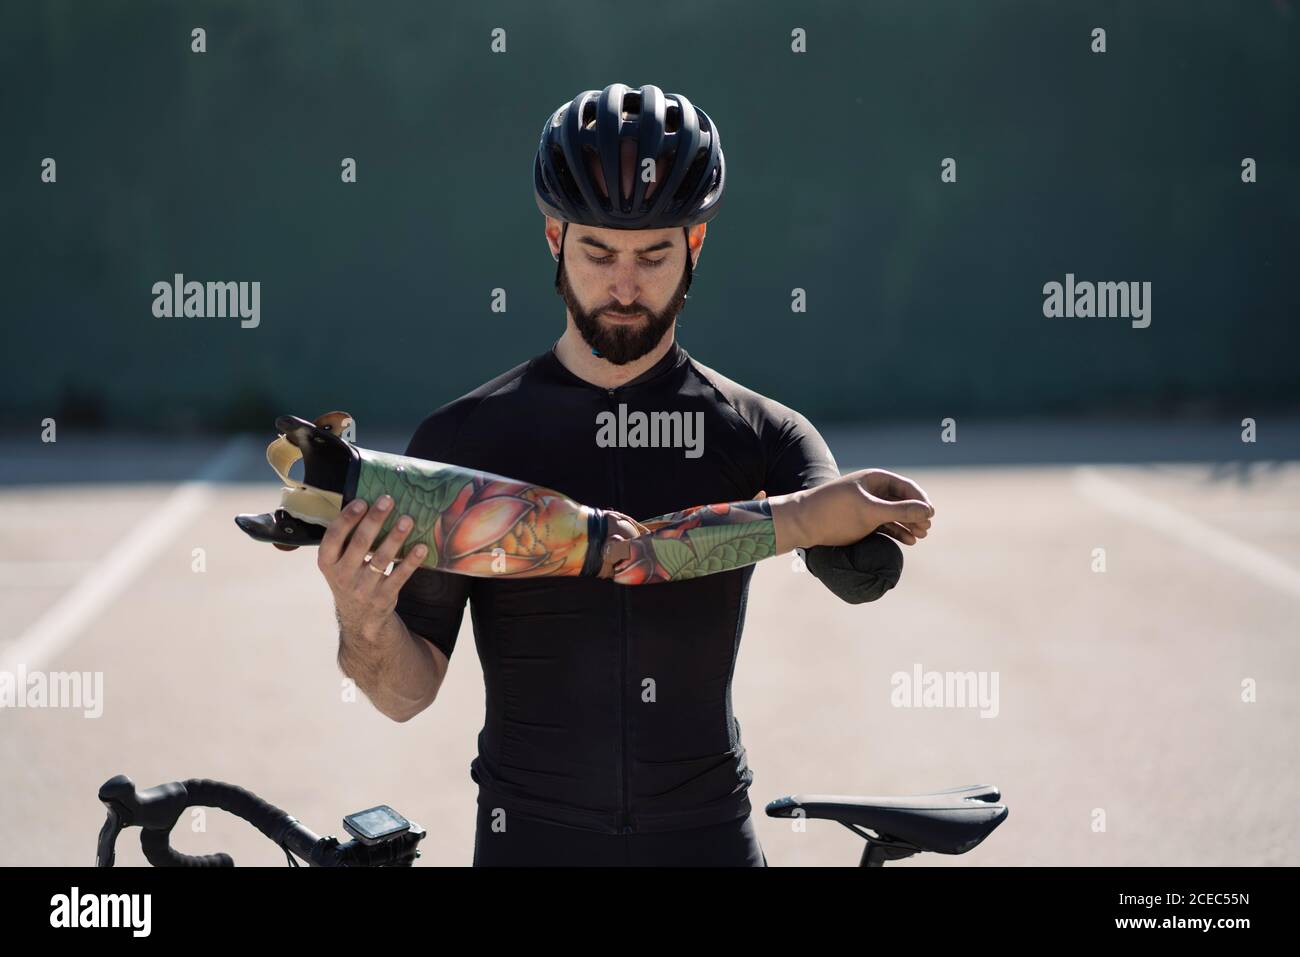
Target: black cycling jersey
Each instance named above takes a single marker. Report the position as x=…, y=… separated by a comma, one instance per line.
x=609, y=706
x=520, y=841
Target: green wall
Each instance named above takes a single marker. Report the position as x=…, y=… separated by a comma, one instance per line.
x=925, y=299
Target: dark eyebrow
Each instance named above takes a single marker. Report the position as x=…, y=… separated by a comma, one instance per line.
x=591, y=241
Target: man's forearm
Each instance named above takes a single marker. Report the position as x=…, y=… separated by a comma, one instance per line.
x=398, y=671
x=706, y=539
x=712, y=538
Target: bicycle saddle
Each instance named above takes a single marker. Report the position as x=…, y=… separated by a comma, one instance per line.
x=946, y=822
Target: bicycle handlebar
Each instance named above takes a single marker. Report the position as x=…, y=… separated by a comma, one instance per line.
x=156, y=810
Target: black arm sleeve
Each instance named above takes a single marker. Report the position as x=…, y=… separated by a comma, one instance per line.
x=863, y=571
x=432, y=603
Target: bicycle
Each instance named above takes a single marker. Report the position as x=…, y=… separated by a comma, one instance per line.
x=380, y=836
x=942, y=822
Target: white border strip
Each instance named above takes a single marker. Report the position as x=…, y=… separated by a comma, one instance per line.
x=1184, y=528
x=110, y=576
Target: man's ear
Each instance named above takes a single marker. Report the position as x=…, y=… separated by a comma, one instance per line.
x=553, y=232
x=695, y=239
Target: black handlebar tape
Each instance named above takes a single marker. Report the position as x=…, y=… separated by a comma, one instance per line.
x=159, y=853
x=266, y=817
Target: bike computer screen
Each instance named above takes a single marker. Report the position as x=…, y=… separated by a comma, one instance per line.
x=375, y=824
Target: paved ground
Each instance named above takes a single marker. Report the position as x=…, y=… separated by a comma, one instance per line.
x=1119, y=693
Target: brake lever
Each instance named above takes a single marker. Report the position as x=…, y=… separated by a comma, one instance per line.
x=153, y=809
x=118, y=795
x=105, y=853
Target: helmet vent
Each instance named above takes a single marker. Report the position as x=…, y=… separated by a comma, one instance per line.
x=691, y=181
x=595, y=174
x=588, y=115
x=564, y=176
x=672, y=118
x=631, y=106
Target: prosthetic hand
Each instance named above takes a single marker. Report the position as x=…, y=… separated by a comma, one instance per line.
x=477, y=523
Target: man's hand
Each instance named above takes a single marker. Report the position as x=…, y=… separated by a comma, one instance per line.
x=364, y=596
x=620, y=530
x=907, y=525
x=852, y=507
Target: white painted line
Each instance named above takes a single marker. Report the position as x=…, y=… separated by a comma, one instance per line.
x=110, y=576
x=1190, y=531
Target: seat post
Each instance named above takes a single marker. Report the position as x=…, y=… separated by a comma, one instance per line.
x=877, y=852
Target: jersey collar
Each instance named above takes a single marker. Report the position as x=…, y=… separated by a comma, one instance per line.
x=670, y=360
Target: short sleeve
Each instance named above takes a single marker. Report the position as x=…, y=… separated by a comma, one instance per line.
x=855, y=573
x=799, y=457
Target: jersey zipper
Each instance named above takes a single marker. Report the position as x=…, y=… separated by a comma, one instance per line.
x=625, y=818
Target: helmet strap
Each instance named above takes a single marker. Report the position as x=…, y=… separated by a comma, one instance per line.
x=559, y=260
x=687, y=231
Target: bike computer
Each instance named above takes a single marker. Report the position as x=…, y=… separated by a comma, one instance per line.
x=376, y=825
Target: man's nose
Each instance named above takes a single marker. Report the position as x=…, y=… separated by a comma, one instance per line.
x=625, y=288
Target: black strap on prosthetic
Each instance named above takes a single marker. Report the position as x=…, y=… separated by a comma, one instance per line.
x=596, y=534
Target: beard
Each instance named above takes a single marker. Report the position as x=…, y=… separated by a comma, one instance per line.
x=621, y=344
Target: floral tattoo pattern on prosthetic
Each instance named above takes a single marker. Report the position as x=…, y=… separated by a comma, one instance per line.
x=701, y=540
x=476, y=523
x=480, y=524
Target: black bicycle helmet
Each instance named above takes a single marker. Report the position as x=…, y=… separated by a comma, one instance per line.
x=588, y=133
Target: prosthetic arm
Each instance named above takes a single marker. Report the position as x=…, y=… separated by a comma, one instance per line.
x=477, y=523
